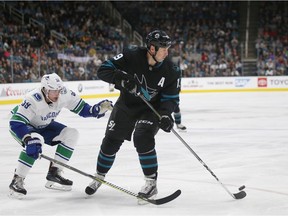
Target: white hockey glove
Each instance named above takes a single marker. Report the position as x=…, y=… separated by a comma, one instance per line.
x=99, y=109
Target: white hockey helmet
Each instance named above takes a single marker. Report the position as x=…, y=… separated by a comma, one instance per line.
x=51, y=82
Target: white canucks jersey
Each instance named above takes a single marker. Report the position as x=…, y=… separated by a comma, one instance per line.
x=35, y=111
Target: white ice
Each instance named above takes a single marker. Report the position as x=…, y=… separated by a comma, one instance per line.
x=242, y=137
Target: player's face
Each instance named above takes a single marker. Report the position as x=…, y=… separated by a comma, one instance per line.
x=161, y=54
x=53, y=95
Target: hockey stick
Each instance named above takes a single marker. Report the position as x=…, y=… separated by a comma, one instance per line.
x=239, y=195
x=153, y=201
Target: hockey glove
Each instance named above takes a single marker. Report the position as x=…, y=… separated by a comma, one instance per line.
x=33, y=147
x=130, y=86
x=99, y=109
x=126, y=81
x=166, y=123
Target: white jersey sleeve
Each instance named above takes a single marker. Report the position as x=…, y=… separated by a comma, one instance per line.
x=36, y=112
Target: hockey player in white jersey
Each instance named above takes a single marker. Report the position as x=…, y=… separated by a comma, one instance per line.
x=37, y=114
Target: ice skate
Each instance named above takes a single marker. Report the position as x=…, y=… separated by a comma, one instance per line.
x=149, y=190
x=94, y=185
x=181, y=127
x=17, y=189
x=56, y=181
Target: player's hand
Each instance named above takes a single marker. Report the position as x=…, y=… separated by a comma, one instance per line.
x=130, y=85
x=166, y=123
x=33, y=147
x=99, y=109
x=127, y=81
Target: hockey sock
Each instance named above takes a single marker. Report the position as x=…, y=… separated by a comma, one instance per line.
x=148, y=161
x=104, y=162
x=177, y=117
x=63, y=153
x=25, y=163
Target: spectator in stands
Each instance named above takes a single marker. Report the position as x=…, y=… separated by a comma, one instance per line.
x=223, y=68
x=239, y=67
x=209, y=28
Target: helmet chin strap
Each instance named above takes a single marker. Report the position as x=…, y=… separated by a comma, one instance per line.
x=153, y=56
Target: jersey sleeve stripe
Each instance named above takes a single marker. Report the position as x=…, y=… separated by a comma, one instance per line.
x=170, y=98
x=78, y=107
x=19, y=118
x=108, y=64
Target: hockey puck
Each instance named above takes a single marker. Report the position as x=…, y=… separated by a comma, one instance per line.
x=242, y=188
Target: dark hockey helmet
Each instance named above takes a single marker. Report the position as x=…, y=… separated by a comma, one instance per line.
x=158, y=39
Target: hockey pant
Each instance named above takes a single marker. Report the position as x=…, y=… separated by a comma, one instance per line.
x=146, y=128
x=54, y=134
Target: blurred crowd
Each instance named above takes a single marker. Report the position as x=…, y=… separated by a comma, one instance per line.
x=28, y=51
x=205, y=33
x=272, y=42
x=206, y=37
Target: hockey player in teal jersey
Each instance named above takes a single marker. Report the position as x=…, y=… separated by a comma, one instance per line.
x=37, y=114
x=147, y=70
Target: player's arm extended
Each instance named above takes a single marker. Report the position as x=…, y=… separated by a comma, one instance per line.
x=79, y=106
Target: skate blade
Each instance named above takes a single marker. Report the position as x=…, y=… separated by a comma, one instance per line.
x=57, y=186
x=15, y=195
x=181, y=130
x=143, y=202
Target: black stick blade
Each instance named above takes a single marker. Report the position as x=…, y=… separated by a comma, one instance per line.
x=165, y=199
x=240, y=195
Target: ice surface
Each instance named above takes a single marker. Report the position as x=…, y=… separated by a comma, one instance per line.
x=242, y=137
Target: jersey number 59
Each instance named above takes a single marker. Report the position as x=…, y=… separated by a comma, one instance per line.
x=25, y=104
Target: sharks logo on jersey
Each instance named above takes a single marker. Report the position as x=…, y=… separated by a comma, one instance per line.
x=148, y=92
